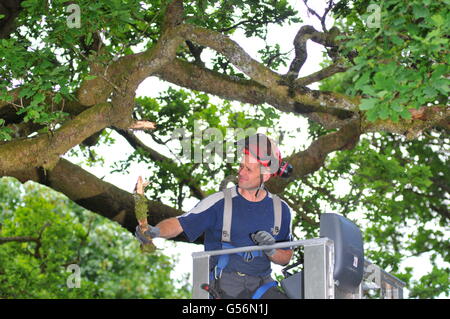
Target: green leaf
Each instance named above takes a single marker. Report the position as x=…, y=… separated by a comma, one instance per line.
x=442, y=85
x=420, y=11
x=5, y=134
x=383, y=112
x=429, y=92
x=438, y=19
x=28, y=3
x=394, y=117
x=88, y=39
x=367, y=104
x=26, y=91
x=38, y=98
x=372, y=115
x=369, y=90
x=405, y=114
x=439, y=70
x=362, y=80
x=397, y=107
x=90, y=77
x=57, y=98
x=397, y=40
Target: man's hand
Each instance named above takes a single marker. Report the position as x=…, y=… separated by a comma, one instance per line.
x=143, y=237
x=263, y=238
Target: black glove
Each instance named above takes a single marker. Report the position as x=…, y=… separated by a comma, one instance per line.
x=263, y=238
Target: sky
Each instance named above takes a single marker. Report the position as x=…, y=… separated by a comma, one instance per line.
x=151, y=86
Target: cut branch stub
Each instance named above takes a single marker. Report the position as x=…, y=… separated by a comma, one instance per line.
x=143, y=125
x=140, y=209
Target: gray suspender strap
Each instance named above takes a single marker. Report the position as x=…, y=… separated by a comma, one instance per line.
x=227, y=214
x=277, y=214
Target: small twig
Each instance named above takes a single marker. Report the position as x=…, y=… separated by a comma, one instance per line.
x=19, y=239
x=16, y=106
x=322, y=20
x=23, y=239
x=324, y=16
x=101, y=75
x=311, y=10
x=161, y=142
x=39, y=242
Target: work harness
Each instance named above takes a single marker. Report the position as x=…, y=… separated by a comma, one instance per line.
x=223, y=260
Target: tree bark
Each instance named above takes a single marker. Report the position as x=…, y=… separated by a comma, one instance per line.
x=108, y=101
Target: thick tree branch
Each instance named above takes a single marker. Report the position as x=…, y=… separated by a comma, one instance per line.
x=306, y=33
x=313, y=158
x=423, y=119
x=45, y=149
x=302, y=101
x=10, y=9
x=233, y=51
x=192, y=76
x=96, y=195
x=22, y=153
x=322, y=74
x=195, y=77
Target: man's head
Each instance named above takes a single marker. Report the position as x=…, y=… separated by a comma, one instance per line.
x=261, y=160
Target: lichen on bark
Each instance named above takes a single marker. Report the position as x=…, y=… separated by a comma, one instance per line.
x=140, y=209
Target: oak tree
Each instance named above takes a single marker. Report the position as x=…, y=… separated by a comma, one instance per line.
x=379, y=120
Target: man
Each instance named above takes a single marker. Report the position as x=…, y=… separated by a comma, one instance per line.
x=243, y=215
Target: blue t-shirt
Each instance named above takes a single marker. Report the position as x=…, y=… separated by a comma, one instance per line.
x=247, y=218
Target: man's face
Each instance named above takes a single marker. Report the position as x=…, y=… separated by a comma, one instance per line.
x=249, y=173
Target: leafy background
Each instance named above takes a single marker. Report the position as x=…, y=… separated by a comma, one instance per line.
x=109, y=258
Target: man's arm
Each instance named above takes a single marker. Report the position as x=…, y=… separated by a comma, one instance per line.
x=281, y=257
x=169, y=228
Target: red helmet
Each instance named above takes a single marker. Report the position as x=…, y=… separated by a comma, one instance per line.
x=265, y=151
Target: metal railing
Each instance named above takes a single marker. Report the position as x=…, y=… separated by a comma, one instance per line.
x=318, y=271
x=376, y=278
x=318, y=267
